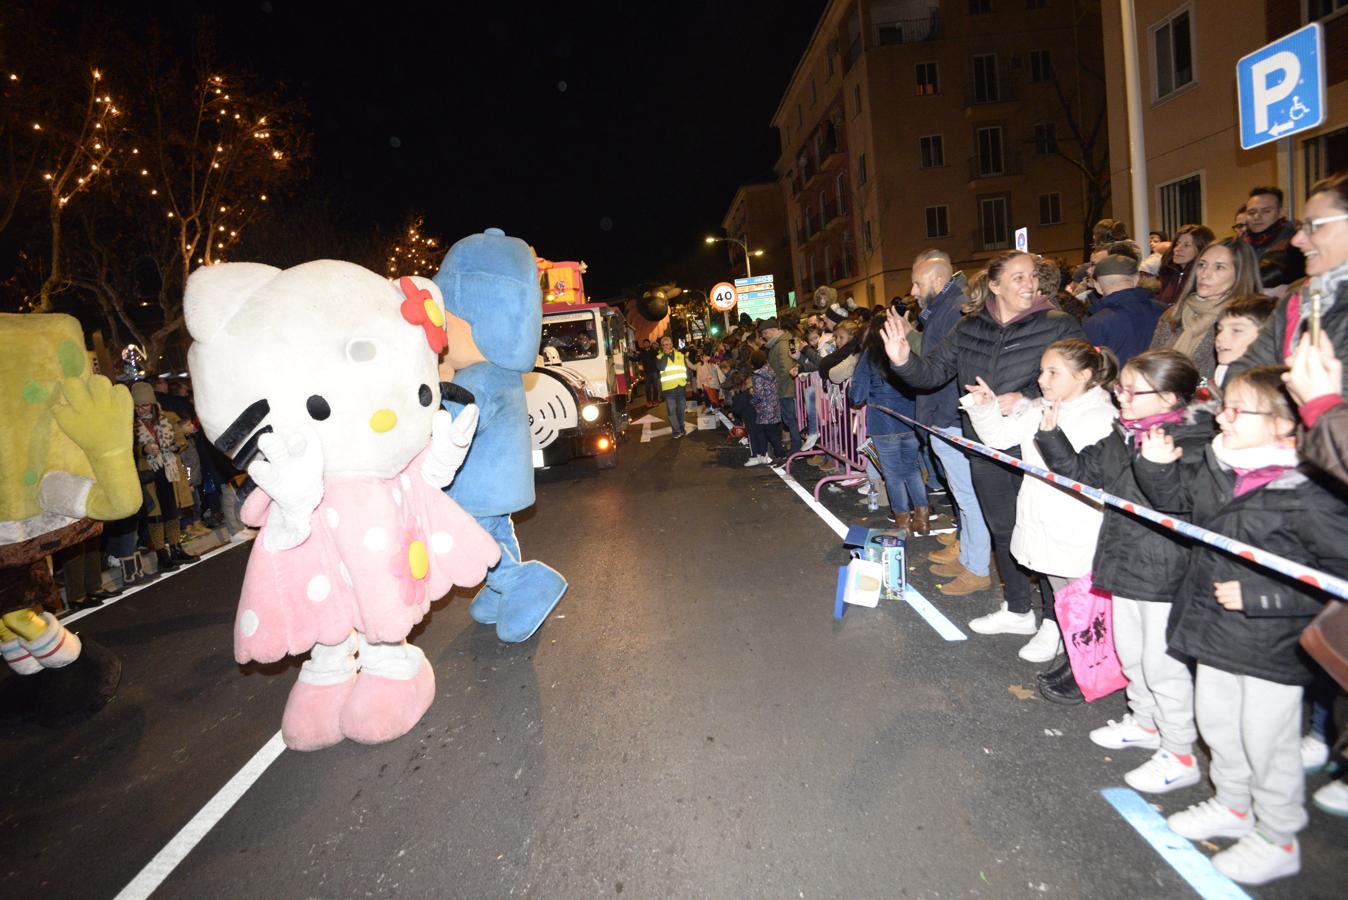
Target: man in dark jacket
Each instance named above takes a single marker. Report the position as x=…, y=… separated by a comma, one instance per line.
x=1266, y=228
x=1125, y=316
x=939, y=291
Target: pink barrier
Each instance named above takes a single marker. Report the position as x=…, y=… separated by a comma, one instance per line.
x=841, y=429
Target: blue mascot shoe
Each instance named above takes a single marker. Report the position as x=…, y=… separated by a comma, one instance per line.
x=528, y=594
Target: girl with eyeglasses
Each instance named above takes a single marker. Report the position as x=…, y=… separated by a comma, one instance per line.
x=1141, y=565
x=1241, y=623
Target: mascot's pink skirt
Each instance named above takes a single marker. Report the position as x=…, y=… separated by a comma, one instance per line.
x=380, y=550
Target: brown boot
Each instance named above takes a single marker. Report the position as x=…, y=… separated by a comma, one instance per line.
x=921, y=518
x=965, y=583
x=948, y=570
x=947, y=554
x=948, y=538
x=903, y=520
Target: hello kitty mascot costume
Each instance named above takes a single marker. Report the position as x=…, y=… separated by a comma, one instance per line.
x=322, y=381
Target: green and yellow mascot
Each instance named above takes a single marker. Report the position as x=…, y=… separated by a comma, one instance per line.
x=66, y=466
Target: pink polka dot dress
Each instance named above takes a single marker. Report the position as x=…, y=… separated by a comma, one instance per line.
x=378, y=553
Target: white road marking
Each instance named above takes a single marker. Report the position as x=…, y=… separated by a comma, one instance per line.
x=166, y=860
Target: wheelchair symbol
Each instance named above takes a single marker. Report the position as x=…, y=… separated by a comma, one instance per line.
x=1298, y=110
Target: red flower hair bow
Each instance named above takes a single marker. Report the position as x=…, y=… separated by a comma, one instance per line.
x=421, y=309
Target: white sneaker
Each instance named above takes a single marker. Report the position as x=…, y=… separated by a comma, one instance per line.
x=744, y=442
x=1003, y=621
x=810, y=441
x=1163, y=773
x=1210, y=819
x=758, y=461
x=1332, y=798
x=1255, y=859
x=1045, y=645
x=1314, y=753
x=1124, y=734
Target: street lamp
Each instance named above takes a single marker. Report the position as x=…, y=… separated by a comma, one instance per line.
x=748, y=269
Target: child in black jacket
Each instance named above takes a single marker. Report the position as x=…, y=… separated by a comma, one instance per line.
x=1241, y=622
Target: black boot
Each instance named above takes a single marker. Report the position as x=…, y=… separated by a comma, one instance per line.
x=1060, y=686
x=1061, y=668
x=181, y=556
x=166, y=561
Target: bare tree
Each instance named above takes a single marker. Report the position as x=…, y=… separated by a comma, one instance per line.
x=410, y=251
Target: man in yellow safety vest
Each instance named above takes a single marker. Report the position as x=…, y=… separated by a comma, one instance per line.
x=673, y=383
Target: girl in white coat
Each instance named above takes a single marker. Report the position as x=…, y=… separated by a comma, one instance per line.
x=1055, y=530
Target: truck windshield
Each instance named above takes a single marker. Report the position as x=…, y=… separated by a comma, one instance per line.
x=572, y=337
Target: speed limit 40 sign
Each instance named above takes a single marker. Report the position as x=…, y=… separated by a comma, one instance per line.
x=723, y=297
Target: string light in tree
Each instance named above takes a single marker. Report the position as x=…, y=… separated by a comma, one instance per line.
x=415, y=252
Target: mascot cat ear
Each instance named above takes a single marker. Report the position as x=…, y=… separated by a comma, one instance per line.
x=215, y=293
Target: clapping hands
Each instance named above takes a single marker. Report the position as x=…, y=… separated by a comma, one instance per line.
x=1159, y=447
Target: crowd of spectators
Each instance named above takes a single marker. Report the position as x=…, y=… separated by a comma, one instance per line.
x=1184, y=377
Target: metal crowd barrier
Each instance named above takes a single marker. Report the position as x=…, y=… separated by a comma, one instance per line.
x=841, y=430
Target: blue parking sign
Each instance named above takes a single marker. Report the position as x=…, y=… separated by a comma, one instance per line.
x=1281, y=87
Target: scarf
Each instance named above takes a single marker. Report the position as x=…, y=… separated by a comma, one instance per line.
x=1138, y=427
x=1197, y=316
x=158, y=430
x=1255, y=466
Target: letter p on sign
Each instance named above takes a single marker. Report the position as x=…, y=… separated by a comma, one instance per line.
x=1275, y=77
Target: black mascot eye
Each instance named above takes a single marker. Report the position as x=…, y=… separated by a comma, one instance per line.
x=318, y=407
x=425, y=395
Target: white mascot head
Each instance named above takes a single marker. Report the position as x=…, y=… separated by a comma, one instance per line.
x=327, y=345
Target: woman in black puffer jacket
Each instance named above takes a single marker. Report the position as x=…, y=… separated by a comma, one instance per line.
x=1142, y=564
x=1001, y=342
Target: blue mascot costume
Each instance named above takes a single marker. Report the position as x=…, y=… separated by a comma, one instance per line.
x=494, y=320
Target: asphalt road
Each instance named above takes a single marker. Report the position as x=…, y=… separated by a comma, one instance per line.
x=691, y=723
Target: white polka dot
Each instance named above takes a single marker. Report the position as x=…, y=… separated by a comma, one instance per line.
x=248, y=623
x=331, y=516
x=341, y=570
x=405, y=482
x=397, y=497
x=375, y=540
x=442, y=542
x=318, y=588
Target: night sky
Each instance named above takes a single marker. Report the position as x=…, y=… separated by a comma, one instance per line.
x=610, y=132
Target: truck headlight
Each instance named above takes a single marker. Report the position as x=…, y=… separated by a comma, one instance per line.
x=589, y=412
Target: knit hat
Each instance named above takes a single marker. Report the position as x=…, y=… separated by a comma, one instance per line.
x=1115, y=264
x=836, y=313
x=142, y=393
x=765, y=324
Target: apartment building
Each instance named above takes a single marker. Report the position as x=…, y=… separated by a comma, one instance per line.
x=757, y=217
x=918, y=123
x=1196, y=169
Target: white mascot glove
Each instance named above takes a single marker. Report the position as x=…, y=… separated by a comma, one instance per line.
x=450, y=439
x=292, y=476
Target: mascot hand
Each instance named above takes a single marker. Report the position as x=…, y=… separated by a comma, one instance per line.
x=450, y=439
x=292, y=476
x=96, y=416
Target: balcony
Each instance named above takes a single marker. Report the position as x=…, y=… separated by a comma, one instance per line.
x=990, y=91
x=982, y=168
x=797, y=185
x=839, y=269
x=910, y=31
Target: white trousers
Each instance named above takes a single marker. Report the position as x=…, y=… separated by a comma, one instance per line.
x=1253, y=728
x=1160, y=688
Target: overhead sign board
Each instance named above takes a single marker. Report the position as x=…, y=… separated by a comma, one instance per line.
x=723, y=297
x=757, y=296
x=1281, y=87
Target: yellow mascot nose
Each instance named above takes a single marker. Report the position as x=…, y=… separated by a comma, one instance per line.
x=383, y=420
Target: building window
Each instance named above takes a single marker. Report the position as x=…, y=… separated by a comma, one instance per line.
x=933, y=151
x=991, y=158
x=856, y=99
x=814, y=93
x=1050, y=209
x=1320, y=9
x=938, y=221
x=823, y=209
x=980, y=7
x=994, y=223
x=1181, y=203
x=828, y=62
x=866, y=237
x=1172, y=53
x=841, y=190
x=928, y=79
x=800, y=120
x=828, y=263
x=1041, y=65
x=1045, y=138
x=986, y=85
x=813, y=278
x=861, y=169
x=1325, y=154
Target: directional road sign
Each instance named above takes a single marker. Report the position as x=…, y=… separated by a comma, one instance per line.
x=757, y=296
x=1281, y=87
